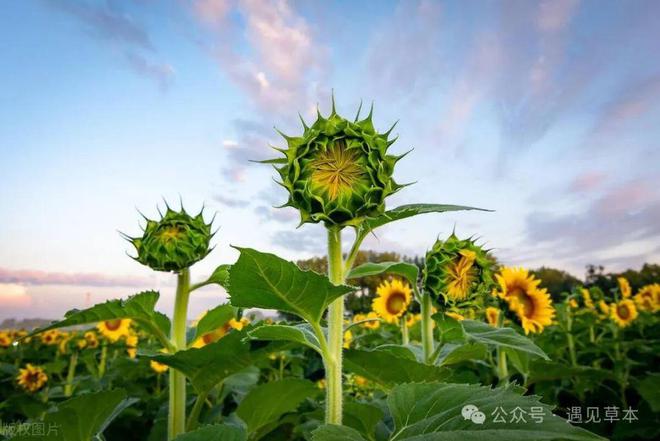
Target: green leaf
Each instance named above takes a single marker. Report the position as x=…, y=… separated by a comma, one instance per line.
x=649, y=389
x=387, y=369
x=139, y=307
x=501, y=337
x=332, y=432
x=263, y=280
x=410, y=210
x=214, y=319
x=433, y=411
x=267, y=402
x=541, y=370
x=210, y=364
x=84, y=417
x=301, y=333
x=452, y=353
x=362, y=417
x=404, y=269
x=216, y=432
x=220, y=276
x=450, y=329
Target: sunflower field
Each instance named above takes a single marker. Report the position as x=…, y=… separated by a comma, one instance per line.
x=458, y=347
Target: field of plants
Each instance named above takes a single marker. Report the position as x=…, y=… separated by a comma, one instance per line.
x=454, y=346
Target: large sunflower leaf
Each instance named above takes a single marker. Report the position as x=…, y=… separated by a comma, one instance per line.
x=452, y=353
x=216, y=432
x=263, y=280
x=301, y=334
x=387, y=369
x=139, y=307
x=437, y=411
x=332, y=432
x=404, y=269
x=210, y=364
x=501, y=337
x=409, y=210
x=267, y=402
x=214, y=319
x=82, y=418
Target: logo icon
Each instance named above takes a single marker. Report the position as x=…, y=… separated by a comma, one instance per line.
x=471, y=412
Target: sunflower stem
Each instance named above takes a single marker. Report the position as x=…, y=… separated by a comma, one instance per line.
x=570, y=339
x=104, y=358
x=427, y=326
x=193, y=418
x=177, y=400
x=333, y=359
x=404, y=331
x=502, y=367
x=71, y=374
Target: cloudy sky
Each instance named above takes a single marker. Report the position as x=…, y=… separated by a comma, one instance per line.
x=546, y=112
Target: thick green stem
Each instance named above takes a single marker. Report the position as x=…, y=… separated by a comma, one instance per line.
x=71, y=374
x=427, y=326
x=177, y=410
x=502, y=367
x=570, y=340
x=333, y=360
x=404, y=331
x=104, y=359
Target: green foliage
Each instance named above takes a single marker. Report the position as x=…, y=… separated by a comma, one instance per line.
x=407, y=270
x=263, y=280
x=84, y=417
x=216, y=432
x=214, y=319
x=434, y=411
x=302, y=334
x=267, y=402
x=410, y=210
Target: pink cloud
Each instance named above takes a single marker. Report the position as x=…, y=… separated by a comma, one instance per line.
x=211, y=12
x=587, y=182
x=36, y=277
x=628, y=197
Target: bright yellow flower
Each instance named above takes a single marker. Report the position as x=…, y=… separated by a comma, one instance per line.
x=454, y=315
x=411, y=319
x=348, y=338
x=91, y=339
x=573, y=303
x=461, y=275
x=5, y=339
x=32, y=378
x=50, y=337
x=531, y=304
x=492, y=316
x=321, y=383
x=131, y=345
x=586, y=297
x=113, y=330
x=212, y=337
x=623, y=313
x=81, y=343
x=374, y=320
x=360, y=381
x=604, y=307
x=158, y=368
x=238, y=324
x=392, y=300
x=624, y=287
x=648, y=298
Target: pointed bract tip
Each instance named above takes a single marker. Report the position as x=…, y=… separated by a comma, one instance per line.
x=357, y=116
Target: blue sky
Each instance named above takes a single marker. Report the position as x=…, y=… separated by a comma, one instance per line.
x=546, y=112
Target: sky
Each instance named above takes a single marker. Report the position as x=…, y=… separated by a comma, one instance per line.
x=545, y=112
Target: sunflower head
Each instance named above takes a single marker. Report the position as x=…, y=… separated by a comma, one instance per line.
x=573, y=303
x=31, y=378
x=624, y=287
x=338, y=171
x=648, y=298
x=5, y=339
x=457, y=269
x=392, y=300
x=455, y=315
x=91, y=339
x=113, y=330
x=492, y=316
x=174, y=242
x=529, y=303
x=586, y=298
x=623, y=313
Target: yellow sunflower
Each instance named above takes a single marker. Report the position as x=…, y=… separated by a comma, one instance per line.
x=131, y=345
x=604, y=307
x=374, y=320
x=238, y=324
x=32, y=378
x=91, y=339
x=648, y=298
x=492, y=316
x=348, y=338
x=50, y=337
x=624, y=287
x=623, y=313
x=392, y=300
x=461, y=274
x=411, y=319
x=531, y=304
x=586, y=297
x=212, y=337
x=5, y=339
x=573, y=303
x=113, y=330
x=454, y=315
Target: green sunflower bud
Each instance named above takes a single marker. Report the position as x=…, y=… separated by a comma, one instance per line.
x=338, y=171
x=173, y=243
x=456, y=270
